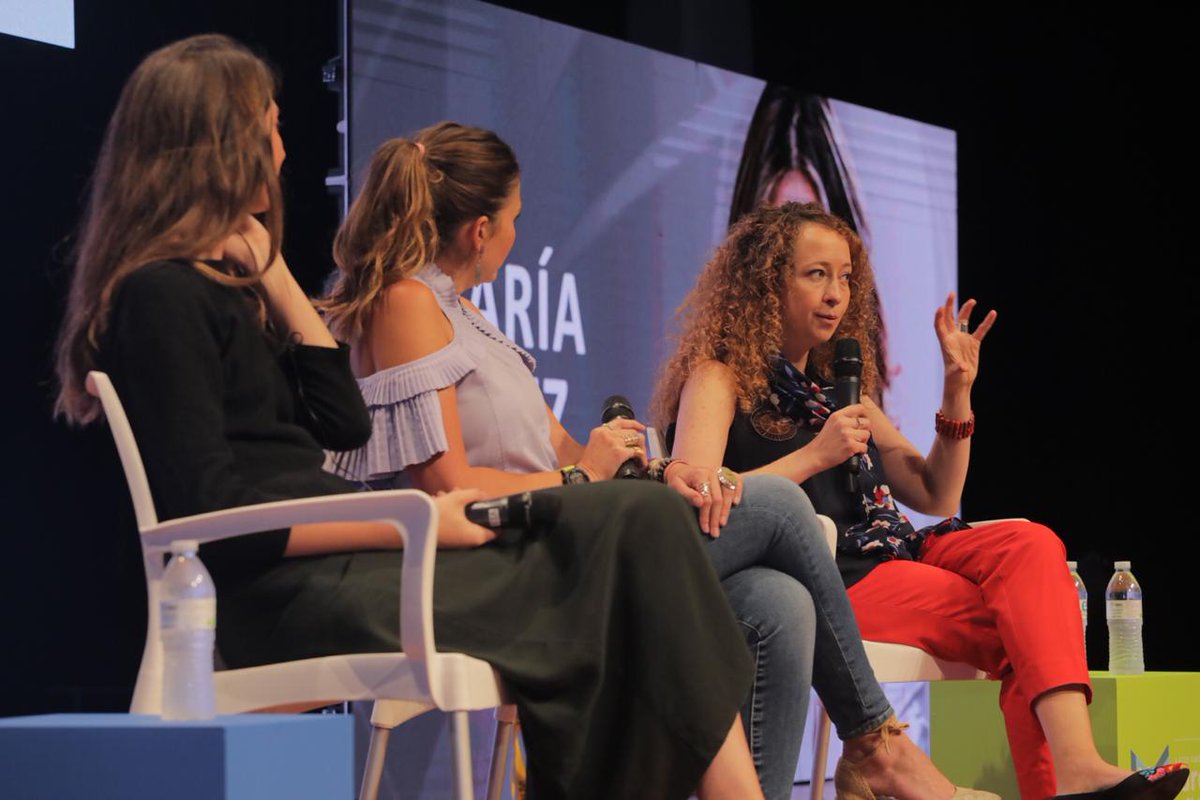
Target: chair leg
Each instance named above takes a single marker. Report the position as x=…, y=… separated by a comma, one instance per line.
x=499, y=768
x=460, y=749
x=820, y=754
x=373, y=772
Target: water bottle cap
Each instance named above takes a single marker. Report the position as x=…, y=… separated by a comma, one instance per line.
x=180, y=546
x=1122, y=564
x=1072, y=565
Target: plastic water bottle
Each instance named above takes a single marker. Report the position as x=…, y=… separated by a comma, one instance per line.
x=1123, y=601
x=1081, y=591
x=189, y=628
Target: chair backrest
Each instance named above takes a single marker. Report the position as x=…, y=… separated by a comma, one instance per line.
x=147, y=693
x=99, y=385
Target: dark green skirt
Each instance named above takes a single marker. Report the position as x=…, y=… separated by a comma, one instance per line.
x=610, y=630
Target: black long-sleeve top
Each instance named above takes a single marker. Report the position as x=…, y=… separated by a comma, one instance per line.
x=222, y=415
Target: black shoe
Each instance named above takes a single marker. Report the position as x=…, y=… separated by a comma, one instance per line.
x=1159, y=783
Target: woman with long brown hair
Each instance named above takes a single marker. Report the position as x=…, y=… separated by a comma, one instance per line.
x=745, y=387
x=232, y=385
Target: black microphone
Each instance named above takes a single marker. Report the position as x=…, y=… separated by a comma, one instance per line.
x=618, y=407
x=847, y=372
x=526, y=511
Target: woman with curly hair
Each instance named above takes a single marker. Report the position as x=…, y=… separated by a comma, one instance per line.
x=793, y=153
x=745, y=388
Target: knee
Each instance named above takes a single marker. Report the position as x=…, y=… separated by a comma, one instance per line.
x=1037, y=540
x=776, y=498
x=780, y=495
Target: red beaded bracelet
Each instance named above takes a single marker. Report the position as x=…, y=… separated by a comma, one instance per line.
x=954, y=428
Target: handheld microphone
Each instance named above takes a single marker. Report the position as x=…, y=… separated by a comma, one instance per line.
x=847, y=371
x=526, y=510
x=618, y=407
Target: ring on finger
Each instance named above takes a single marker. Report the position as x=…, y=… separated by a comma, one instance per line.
x=631, y=439
x=727, y=478
x=705, y=489
x=964, y=326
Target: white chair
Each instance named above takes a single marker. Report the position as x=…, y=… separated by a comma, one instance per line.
x=403, y=684
x=891, y=663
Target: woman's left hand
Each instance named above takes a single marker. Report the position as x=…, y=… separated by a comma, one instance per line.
x=713, y=491
x=960, y=346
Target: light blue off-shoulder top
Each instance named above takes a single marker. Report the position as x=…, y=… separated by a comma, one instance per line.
x=501, y=408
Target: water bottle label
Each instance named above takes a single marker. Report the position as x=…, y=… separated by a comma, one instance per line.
x=1124, y=609
x=197, y=614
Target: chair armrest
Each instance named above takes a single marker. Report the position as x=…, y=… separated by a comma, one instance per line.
x=411, y=512
x=398, y=505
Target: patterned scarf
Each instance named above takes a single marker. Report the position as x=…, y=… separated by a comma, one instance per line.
x=884, y=533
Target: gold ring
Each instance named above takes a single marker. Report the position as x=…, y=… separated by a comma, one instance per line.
x=727, y=478
x=631, y=439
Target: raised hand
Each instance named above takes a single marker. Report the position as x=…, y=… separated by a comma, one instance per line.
x=960, y=345
x=249, y=244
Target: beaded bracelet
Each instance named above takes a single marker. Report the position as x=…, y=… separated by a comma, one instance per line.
x=656, y=470
x=954, y=428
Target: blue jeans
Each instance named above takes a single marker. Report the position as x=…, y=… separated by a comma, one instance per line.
x=774, y=538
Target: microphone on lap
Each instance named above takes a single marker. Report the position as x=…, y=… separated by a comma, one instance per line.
x=525, y=510
x=618, y=407
x=847, y=371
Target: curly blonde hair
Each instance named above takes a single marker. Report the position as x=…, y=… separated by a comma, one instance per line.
x=734, y=314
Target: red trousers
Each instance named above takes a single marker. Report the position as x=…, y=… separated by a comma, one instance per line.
x=998, y=597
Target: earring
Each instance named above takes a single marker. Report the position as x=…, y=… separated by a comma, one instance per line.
x=479, y=269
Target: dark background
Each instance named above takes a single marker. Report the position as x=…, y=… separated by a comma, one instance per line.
x=1073, y=174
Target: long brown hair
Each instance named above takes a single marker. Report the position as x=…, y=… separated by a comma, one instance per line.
x=185, y=156
x=735, y=312
x=416, y=195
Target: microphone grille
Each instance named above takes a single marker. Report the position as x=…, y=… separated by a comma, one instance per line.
x=847, y=347
x=847, y=358
x=616, y=406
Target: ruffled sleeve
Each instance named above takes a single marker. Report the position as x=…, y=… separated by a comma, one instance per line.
x=406, y=418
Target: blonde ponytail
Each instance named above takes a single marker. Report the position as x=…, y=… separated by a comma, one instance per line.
x=388, y=235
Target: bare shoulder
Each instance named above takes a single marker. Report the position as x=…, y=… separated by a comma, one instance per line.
x=407, y=324
x=713, y=374
x=410, y=296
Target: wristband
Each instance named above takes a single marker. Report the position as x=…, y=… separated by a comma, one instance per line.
x=573, y=474
x=656, y=470
x=954, y=428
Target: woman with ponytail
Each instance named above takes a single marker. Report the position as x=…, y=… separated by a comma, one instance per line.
x=233, y=384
